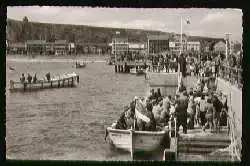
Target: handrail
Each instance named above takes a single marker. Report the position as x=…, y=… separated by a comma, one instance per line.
x=231, y=74
x=235, y=142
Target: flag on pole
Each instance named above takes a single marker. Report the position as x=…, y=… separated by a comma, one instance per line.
x=117, y=32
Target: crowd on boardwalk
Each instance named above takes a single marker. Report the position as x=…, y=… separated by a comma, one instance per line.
x=202, y=106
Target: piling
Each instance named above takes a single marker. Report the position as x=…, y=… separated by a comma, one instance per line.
x=116, y=68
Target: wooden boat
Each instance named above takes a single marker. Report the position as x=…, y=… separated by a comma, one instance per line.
x=138, y=71
x=83, y=65
x=66, y=80
x=135, y=141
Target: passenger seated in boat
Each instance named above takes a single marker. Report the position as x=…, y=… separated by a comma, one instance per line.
x=121, y=123
x=157, y=109
x=29, y=78
x=151, y=125
x=48, y=76
x=22, y=79
x=129, y=119
x=34, y=79
x=152, y=95
x=158, y=94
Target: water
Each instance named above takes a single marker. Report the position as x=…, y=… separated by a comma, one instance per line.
x=67, y=123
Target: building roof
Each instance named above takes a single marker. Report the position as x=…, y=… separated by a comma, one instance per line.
x=17, y=45
x=60, y=42
x=36, y=41
x=136, y=45
x=120, y=39
x=159, y=37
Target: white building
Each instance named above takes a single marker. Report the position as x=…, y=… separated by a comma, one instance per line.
x=120, y=46
x=193, y=46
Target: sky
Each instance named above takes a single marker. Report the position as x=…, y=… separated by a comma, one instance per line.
x=203, y=22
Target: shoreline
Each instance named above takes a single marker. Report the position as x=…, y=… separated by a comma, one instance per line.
x=66, y=58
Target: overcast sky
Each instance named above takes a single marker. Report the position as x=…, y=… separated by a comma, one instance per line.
x=204, y=22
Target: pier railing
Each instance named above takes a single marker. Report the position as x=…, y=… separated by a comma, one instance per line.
x=231, y=74
x=235, y=137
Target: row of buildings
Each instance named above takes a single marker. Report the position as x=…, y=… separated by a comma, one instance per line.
x=119, y=46
x=164, y=43
x=59, y=47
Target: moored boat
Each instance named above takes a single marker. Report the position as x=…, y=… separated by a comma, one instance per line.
x=136, y=141
x=66, y=80
x=81, y=65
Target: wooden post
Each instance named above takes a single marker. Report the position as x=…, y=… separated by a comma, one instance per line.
x=132, y=144
x=58, y=83
x=72, y=83
x=51, y=84
x=68, y=82
x=116, y=68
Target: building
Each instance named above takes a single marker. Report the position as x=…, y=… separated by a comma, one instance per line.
x=219, y=47
x=16, y=48
x=61, y=47
x=158, y=43
x=193, y=46
x=175, y=44
x=49, y=48
x=120, y=46
x=35, y=46
x=136, y=48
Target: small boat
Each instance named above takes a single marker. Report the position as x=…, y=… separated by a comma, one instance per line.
x=79, y=65
x=135, y=141
x=138, y=71
x=66, y=80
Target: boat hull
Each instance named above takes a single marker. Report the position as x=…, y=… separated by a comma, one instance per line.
x=69, y=80
x=145, y=141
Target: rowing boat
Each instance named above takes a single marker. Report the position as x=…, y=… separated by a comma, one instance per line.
x=83, y=65
x=66, y=80
x=135, y=141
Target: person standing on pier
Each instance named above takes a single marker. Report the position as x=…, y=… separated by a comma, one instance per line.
x=181, y=110
x=22, y=79
x=182, y=62
x=210, y=111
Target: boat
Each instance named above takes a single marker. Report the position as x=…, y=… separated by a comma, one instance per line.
x=135, y=141
x=65, y=80
x=79, y=65
x=138, y=71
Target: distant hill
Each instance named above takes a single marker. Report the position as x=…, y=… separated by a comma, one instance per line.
x=20, y=31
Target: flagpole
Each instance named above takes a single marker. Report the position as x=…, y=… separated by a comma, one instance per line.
x=181, y=36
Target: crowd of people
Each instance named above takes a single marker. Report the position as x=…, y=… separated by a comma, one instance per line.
x=201, y=106
x=33, y=79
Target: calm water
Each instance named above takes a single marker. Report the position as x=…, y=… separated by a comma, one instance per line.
x=69, y=123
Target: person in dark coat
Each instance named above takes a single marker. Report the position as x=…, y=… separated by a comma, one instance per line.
x=218, y=107
x=29, y=78
x=48, y=76
x=22, y=79
x=183, y=63
x=181, y=111
x=34, y=79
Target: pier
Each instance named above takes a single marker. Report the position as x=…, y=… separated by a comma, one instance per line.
x=224, y=145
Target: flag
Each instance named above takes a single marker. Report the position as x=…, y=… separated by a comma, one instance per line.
x=188, y=21
x=117, y=32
